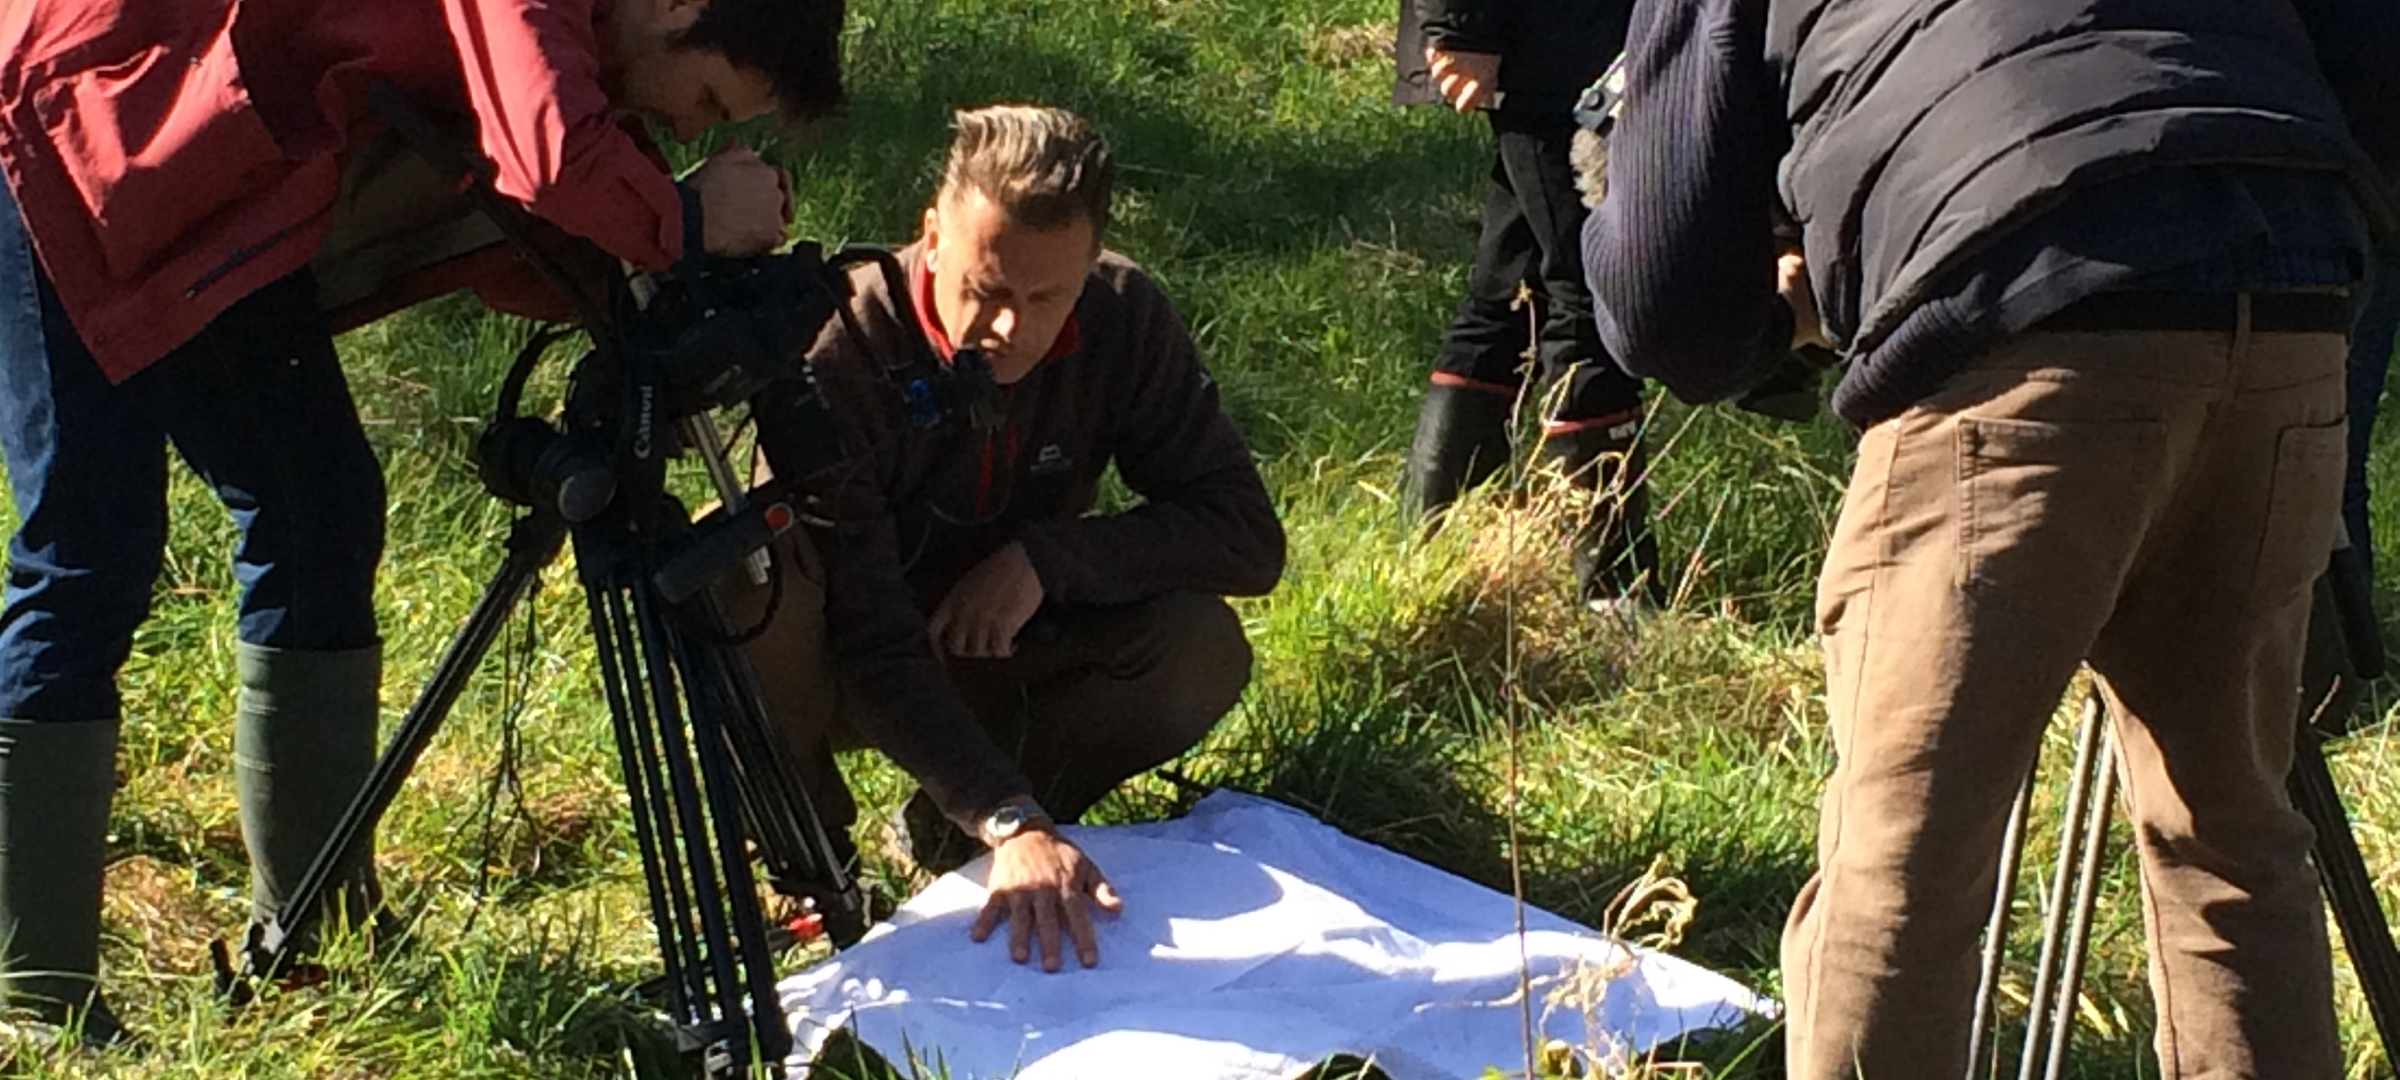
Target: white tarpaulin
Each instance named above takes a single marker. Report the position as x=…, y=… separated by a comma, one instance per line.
x=1256, y=941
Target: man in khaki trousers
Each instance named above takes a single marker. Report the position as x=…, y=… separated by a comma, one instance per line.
x=2089, y=266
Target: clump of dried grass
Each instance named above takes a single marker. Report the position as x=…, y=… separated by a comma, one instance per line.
x=1651, y=912
x=1351, y=43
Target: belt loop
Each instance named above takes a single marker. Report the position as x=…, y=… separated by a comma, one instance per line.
x=2237, y=365
x=2241, y=327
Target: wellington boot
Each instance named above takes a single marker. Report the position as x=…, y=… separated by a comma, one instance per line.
x=1613, y=550
x=55, y=783
x=303, y=744
x=1461, y=440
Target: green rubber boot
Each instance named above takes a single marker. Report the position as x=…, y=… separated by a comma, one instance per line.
x=303, y=744
x=55, y=783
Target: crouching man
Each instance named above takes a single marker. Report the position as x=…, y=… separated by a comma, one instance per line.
x=965, y=611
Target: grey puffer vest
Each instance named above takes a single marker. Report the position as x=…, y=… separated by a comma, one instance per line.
x=1924, y=130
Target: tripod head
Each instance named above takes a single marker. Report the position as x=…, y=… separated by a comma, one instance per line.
x=712, y=334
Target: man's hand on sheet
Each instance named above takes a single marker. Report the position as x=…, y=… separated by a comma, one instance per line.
x=1040, y=883
x=980, y=617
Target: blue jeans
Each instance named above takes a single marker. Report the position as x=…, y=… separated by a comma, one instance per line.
x=2370, y=356
x=255, y=404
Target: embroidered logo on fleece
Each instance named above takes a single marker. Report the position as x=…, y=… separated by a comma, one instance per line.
x=1050, y=459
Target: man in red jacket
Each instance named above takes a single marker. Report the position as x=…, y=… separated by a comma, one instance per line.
x=171, y=169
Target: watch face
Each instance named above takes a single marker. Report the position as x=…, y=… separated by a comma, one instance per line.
x=1004, y=823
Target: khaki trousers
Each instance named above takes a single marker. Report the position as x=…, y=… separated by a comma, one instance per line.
x=1093, y=695
x=2156, y=504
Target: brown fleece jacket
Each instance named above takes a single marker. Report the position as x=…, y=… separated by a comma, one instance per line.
x=920, y=505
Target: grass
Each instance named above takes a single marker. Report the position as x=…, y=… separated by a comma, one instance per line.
x=1316, y=239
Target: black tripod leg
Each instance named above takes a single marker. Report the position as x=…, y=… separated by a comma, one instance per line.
x=646, y=790
x=685, y=800
x=533, y=541
x=721, y=785
x=2351, y=889
x=2329, y=690
x=799, y=850
x=704, y=773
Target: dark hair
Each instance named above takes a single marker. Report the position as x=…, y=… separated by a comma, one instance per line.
x=796, y=43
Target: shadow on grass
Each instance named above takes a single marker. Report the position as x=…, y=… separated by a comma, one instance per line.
x=1209, y=181
x=546, y=1008
x=1358, y=755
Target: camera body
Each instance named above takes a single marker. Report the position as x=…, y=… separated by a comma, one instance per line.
x=714, y=333
x=711, y=334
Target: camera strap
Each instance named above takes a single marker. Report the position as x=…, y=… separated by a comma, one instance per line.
x=932, y=392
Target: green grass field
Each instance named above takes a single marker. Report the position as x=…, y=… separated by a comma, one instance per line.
x=1316, y=238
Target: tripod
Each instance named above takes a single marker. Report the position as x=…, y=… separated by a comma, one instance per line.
x=2344, y=649
x=705, y=773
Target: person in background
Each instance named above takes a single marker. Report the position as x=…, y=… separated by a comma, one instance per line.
x=1523, y=64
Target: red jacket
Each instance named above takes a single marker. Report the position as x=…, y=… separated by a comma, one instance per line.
x=171, y=156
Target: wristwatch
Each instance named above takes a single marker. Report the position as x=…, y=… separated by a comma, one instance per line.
x=1010, y=818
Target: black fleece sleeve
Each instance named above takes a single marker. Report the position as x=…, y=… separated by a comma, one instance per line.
x=1681, y=254
x=1206, y=522
x=896, y=691
x=899, y=697
x=1478, y=26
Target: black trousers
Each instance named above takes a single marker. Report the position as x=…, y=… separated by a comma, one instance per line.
x=1532, y=240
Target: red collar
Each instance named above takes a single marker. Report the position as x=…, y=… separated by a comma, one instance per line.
x=929, y=321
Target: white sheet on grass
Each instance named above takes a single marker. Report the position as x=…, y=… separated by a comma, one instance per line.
x=1255, y=942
